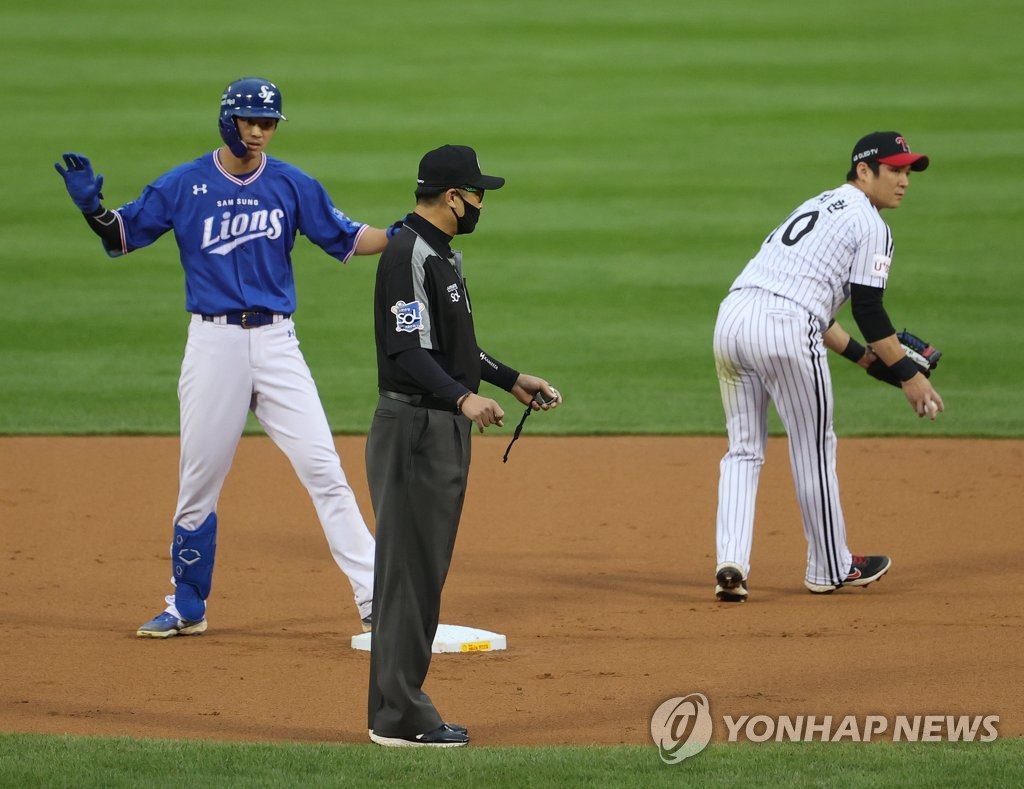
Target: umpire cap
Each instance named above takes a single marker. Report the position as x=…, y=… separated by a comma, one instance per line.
x=454, y=165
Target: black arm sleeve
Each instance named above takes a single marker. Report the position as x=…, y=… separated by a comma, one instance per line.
x=496, y=373
x=106, y=225
x=425, y=370
x=869, y=313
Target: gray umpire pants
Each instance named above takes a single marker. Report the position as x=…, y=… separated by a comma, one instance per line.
x=417, y=466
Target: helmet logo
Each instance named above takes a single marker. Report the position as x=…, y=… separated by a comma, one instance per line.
x=266, y=94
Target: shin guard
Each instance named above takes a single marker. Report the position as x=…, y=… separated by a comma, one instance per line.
x=192, y=558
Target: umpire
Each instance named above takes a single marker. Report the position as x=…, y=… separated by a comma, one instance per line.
x=429, y=369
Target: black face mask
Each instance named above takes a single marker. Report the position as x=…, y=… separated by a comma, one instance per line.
x=466, y=223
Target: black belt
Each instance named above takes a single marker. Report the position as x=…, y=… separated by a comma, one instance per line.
x=250, y=319
x=421, y=401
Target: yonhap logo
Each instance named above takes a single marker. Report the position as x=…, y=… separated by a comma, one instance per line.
x=681, y=727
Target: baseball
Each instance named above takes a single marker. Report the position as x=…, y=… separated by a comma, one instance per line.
x=931, y=409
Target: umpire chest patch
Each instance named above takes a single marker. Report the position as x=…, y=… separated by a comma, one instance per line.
x=408, y=316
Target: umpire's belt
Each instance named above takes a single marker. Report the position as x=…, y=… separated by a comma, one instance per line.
x=250, y=319
x=421, y=400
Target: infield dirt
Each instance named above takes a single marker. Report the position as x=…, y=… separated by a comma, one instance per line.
x=594, y=556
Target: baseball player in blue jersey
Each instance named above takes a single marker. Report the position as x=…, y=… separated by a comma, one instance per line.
x=769, y=344
x=235, y=213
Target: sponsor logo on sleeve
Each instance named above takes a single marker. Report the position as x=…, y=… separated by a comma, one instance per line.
x=408, y=316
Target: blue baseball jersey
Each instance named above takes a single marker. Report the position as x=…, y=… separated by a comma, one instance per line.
x=235, y=234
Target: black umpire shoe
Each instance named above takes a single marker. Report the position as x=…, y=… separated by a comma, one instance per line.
x=452, y=726
x=444, y=736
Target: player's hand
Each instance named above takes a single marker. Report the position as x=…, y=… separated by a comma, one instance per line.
x=483, y=411
x=394, y=227
x=83, y=186
x=528, y=386
x=922, y=397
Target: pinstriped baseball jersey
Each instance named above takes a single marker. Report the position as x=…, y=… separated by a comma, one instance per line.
x=828, y=242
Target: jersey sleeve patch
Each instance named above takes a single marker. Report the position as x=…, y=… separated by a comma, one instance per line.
x=408, y=316
x=880, y=266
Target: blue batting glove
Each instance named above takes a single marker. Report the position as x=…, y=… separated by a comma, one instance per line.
x=83, y=186
x=393, y=228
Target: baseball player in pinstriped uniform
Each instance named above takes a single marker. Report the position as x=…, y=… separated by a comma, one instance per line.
x=235, y=213
x=769, y=344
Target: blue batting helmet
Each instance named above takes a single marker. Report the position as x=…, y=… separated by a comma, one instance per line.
x=251, y=97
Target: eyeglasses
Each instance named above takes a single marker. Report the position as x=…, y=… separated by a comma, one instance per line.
x=473, y=190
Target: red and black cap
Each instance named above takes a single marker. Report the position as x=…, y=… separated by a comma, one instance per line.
x=888, y=147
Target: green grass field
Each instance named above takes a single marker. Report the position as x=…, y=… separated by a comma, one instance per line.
x=90, y=762
x=648, y=148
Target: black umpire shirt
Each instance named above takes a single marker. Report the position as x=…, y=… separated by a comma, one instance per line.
x=421, y=301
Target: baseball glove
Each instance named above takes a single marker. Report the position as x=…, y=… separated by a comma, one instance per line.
x=919, y=351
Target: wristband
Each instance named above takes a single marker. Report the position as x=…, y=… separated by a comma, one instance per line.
x=904, y=369
x=853, y=351
x=460, y=401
